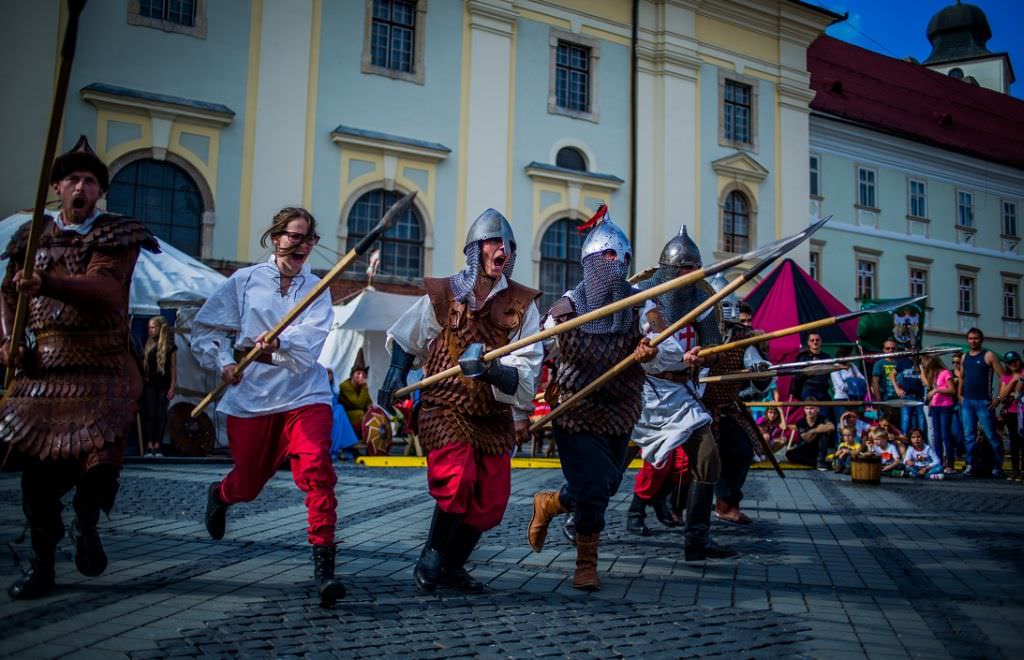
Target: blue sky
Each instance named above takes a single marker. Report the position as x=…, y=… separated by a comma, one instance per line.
x=897, y=28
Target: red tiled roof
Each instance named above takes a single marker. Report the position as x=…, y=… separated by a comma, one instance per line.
x=909, y=100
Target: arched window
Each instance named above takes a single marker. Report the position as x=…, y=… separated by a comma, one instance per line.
x=571, y=159
x=560, y=268
x=736, y=223
x=164, y=197
x=401, y=249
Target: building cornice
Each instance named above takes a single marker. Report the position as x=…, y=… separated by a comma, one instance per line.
x=932, y=243
x=112, y=97
x=346, y=136
x=863, y=144
x=561, y=175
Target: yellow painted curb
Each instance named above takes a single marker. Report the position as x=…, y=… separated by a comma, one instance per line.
x=520, y=463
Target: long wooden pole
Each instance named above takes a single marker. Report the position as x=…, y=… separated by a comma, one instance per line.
x=60, y=94
x=889, y=403
x=771, y=250
x=364, y=244
x=682, y=322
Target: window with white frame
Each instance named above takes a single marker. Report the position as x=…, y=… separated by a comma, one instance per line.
x=964, y=208
x=1011, y=300
x=572, y=84
x=866, y=178
x=966, y=303
x=737, y=106
x=179, y=16
x=393, y=42
x=815, y=265
x=918, y=281
x=815, y=164
x=560, y=268
x=866, y=278
x=917, y=199
x=736, y=225
x=1009, y=218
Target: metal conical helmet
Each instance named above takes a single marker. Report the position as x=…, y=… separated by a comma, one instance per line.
x=681, y=251
x=606, y=235
x=491, y=224
x=731, y=303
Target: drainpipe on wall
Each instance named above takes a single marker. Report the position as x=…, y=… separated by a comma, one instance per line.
x=632, y=128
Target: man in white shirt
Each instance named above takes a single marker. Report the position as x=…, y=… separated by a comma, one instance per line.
x=468, y=423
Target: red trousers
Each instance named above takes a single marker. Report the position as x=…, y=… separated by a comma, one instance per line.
x=474, y=485
x=258, y=446
x=649, y=480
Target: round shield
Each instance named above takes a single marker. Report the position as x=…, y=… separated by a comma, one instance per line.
x=377, y=432
x=190, y=437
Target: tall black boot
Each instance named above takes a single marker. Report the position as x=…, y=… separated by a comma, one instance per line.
x=40, y=579
x=460, y=547
x=96, y=490
x=698, y=524
x=661, y=511
x=430, y=565
x=636, y=517
x=331, y=589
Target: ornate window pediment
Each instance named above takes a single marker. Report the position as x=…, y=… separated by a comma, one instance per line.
x=740, y=166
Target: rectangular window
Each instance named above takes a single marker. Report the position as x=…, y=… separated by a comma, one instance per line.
x=815, y=265
x=917, y=199
x=572, y=77
x=182, y=12
x=392, y=38
x=964, y=208
x=918, y=282
x=737, y=108
x=866, y=187
x=1009, y=218
x=966, y=301
x=865, y=279
x=1010, y=301
x=815, y=176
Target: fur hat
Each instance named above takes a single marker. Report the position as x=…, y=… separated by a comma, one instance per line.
x=80, y=157
x=359, y=364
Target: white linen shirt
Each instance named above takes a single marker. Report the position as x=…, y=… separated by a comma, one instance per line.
x=417, y=327
x=247, y=305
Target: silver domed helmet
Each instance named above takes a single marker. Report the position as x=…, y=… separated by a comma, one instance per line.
x=606, y=235
x=730, y=304
x=488, y=225
x=681, y=251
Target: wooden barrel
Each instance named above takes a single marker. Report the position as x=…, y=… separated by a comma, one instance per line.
x=866, y=469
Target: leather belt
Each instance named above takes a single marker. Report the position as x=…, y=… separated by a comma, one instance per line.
x=675, y=376
x=242, y=352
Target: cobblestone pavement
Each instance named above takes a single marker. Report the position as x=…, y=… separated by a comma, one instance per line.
x=830, y=569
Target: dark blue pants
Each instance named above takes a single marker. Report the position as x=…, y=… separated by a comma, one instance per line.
x=942, y=434
x=592, y=465
x=736, y=453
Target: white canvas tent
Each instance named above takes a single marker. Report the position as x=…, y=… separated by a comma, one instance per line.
x=362, y=323
x=168, y=279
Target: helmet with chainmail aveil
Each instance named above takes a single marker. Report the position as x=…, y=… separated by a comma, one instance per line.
x=604, y=279
x=488, y=225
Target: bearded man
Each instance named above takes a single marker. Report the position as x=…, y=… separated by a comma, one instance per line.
x=78, y=388
x=468, y=424
x=592, y=437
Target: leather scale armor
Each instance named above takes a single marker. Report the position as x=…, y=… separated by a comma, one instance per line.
x=614, y=408
x=460, y=409
x=723, y=398
x=79, y=387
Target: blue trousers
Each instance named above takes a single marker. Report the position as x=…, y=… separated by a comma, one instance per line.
x=942, y=440
x=592, y=466
x=913, y=418
x=974, y=412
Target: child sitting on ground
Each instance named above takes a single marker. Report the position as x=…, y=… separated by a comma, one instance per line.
x=887, y=450
x=920, y=459
x=844, y=452
x=773, y=429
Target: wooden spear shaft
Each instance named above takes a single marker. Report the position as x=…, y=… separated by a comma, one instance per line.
x=364, y=244
x=60, y=94
x=684, y=321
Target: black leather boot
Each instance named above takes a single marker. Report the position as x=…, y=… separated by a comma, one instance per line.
x=90, y=558
x=460, y=547
x=661, y=511
x=698, y=525
x=636, y=517
x=430, y=565
x=40, y=580
x=331, y=589
x=216, y=512
x=96, y=491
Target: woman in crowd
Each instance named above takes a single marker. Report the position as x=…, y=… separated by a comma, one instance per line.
x=1009, y=393
x=774, y=429
x=159, y=364
x=940, y=394
x=920, y=459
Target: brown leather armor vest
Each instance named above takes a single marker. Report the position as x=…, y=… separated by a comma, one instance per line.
x=462, y=409
x=723, y=398
x=79, y=388
x=615, y=407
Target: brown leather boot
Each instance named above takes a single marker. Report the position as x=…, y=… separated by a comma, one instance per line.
x=586, y=577
x=546, y=505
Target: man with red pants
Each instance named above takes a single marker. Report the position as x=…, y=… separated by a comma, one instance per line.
x=653, y=486
x=282, y=405
x=468, y=424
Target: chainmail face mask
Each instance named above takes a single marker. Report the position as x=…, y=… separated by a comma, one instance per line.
x=677, y=302
x=604, y=282
x=464, y=281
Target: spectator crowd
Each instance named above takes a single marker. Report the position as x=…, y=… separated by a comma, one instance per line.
x=918, y=415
